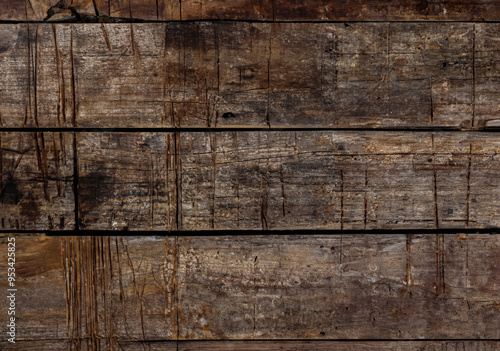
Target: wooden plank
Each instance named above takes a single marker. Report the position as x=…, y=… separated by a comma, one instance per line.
x=36, y=183
x=288, y=180
x=262, y=10
x=234, y=74
x=128, y=181
x=53, y=345
x=487, y=73
x=40, y=305
x=375, y=10
x=339, y=287
x=38, y=10
x=338, y=345
x=110, y=290
x=91, y=291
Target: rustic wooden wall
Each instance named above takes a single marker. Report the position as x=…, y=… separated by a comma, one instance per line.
x=251, y=175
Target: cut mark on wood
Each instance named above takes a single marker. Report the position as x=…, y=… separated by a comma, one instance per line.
x=213, y=150
x=341, y=199
x=467, y=200
x=436, y=210
x=73, y=79
x=178, y=180
x=473, y=76
x=408, y=278
x=365, y=200
x=106, y=37
x=440, y=275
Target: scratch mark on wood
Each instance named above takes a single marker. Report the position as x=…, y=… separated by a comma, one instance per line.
x=440, y=277
x=268, y=121
x=73, y=79
x=213, y=150
x=408, y=278
x=41, y=157
x=467, y=200
x=167, y=179
x=431, y=114
x=436, y=210
x=178, y=180
x=282, y=189
x=472, y=122
x=120, y=283
x=165, y=80
x=341, y=199
x=135, y=49
x=106, y=37
x=365, y=200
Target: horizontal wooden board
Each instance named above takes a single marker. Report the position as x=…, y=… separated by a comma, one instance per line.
x=83, y=288
x=36, y=181
x=262, y=10
x=115, y=290
x=234, y=74
x=247, y=345
x=288, y=180
x=339, y=345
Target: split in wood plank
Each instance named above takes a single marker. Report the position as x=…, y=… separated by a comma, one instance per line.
x=306, y=75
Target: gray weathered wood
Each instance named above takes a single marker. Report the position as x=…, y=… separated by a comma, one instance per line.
x=36, y=181
x=376, y=75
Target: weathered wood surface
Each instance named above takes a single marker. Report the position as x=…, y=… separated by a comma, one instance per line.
x=387, y=75
x=109, y=290
x=36, y=181
x=288, y=180
x=340, y=345
x=262, y=10
x=81, y=289
x=247, y=345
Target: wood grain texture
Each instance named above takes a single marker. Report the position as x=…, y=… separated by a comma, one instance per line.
x=349, y=286
x=261, y=10
x=487, y=72
x=110, y=291
x=288, y=180
x=38, y=10
x=36, y=183
x=93, y=291
x=128, y=181
x=339, y=345
x=234, y=74
x=247, y=345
